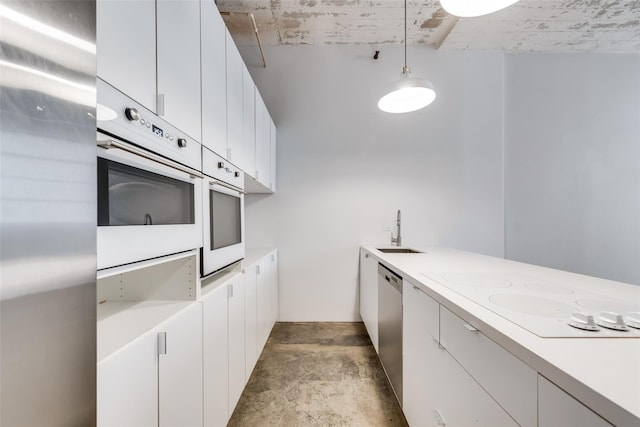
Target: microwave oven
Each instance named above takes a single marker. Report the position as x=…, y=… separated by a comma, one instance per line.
x=149, y=191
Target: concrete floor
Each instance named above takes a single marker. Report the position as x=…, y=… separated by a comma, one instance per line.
x=318, y=374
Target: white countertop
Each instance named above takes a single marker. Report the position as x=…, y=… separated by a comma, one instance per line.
x=603, y=373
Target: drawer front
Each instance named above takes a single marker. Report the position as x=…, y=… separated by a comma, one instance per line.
x=438, y=391
x=424, y=309
x=557, y=408
x=509, y=380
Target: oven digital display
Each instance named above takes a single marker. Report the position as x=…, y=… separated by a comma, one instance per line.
x=157, y=130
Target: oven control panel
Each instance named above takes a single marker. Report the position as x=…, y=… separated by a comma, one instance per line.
x=220, y=169
x=131, y=122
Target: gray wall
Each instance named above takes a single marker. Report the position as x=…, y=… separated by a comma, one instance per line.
x=344, y=167
x=572, y=163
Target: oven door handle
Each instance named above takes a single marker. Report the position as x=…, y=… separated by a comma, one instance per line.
x=222, y=184
x=110, y=143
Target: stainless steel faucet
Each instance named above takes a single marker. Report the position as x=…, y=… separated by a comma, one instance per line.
x=398, y=239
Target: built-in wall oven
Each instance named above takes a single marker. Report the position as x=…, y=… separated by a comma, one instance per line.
x=149, y=184
x=223, y=213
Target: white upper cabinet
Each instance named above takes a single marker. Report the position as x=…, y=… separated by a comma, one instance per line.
x=178, y=44
x=234, y=103
x=249, y=122
x=263, y=143
x=150, y=50
x=272, y=158
x=214, y=79
x=126, y=47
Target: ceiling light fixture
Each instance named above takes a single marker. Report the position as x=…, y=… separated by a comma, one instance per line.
x=470, y=8
x=410, y=93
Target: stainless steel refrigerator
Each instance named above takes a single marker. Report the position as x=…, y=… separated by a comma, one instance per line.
x=47, y=213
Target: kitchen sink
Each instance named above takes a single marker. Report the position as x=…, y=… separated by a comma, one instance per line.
x=399, y=251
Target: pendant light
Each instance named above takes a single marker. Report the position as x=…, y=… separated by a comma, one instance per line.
x=471, y=8
x=410, y=93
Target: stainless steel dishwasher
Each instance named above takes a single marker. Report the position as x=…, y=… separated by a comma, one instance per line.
x=390, y=326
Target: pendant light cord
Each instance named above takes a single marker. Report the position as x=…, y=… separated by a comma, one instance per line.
x=405, y=34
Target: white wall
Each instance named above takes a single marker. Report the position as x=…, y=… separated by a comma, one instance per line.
x=344, y=167
x=572, y=155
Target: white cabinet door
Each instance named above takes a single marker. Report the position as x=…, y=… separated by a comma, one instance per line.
x=214, y=81
x=264, y=303
x=237, y=366
x=251, y=322
x=272, y=278
x=272, y=159
x=267, y=286
x=369, y=295
x=178, y=47
x=180, y=369
x=126, y=46
x=234, y=102
x=558, y=408
x=215, y=351
x=127, y=386
x=249, y=122
x=263, y=142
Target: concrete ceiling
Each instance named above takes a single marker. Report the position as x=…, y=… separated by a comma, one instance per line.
x=527, y=26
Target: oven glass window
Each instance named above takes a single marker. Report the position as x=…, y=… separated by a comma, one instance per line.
x=225, y=219
x=132, y=196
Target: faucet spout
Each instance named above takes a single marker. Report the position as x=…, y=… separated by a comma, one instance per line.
x=398, y=239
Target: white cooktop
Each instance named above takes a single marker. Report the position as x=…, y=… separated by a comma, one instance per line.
x=538, y=305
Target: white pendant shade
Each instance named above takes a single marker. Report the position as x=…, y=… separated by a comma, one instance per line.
x=410, y=94
x=470, y=8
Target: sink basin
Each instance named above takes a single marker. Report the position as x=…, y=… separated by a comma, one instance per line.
x=398, y=251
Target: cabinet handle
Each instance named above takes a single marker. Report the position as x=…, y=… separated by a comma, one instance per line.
x=230, y=290
x=257, y=269
x=160, y=104
x=438, y=418
x=366, y=255
x=162, y=343
x=470, y=328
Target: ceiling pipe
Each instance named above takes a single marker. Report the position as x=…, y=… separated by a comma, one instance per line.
x=255, y=30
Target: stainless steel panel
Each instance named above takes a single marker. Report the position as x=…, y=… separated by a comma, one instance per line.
x=390, y=327
x=47, y=213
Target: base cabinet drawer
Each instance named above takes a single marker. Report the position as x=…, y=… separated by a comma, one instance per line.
x=438, y=391
x=558, y=408
x=505, y=377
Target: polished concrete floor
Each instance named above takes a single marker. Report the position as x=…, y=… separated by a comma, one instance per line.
x=318, y=374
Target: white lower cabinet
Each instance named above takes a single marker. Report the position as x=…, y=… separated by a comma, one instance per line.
x=145, y=383
x=215, y=351
x=251, y=320
x=557, y=408
x=267, y=299
x=437, y=390
x=180, y=369
x=505, y=377
x=127, y=385
x=237, y=367
x=369, y=295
